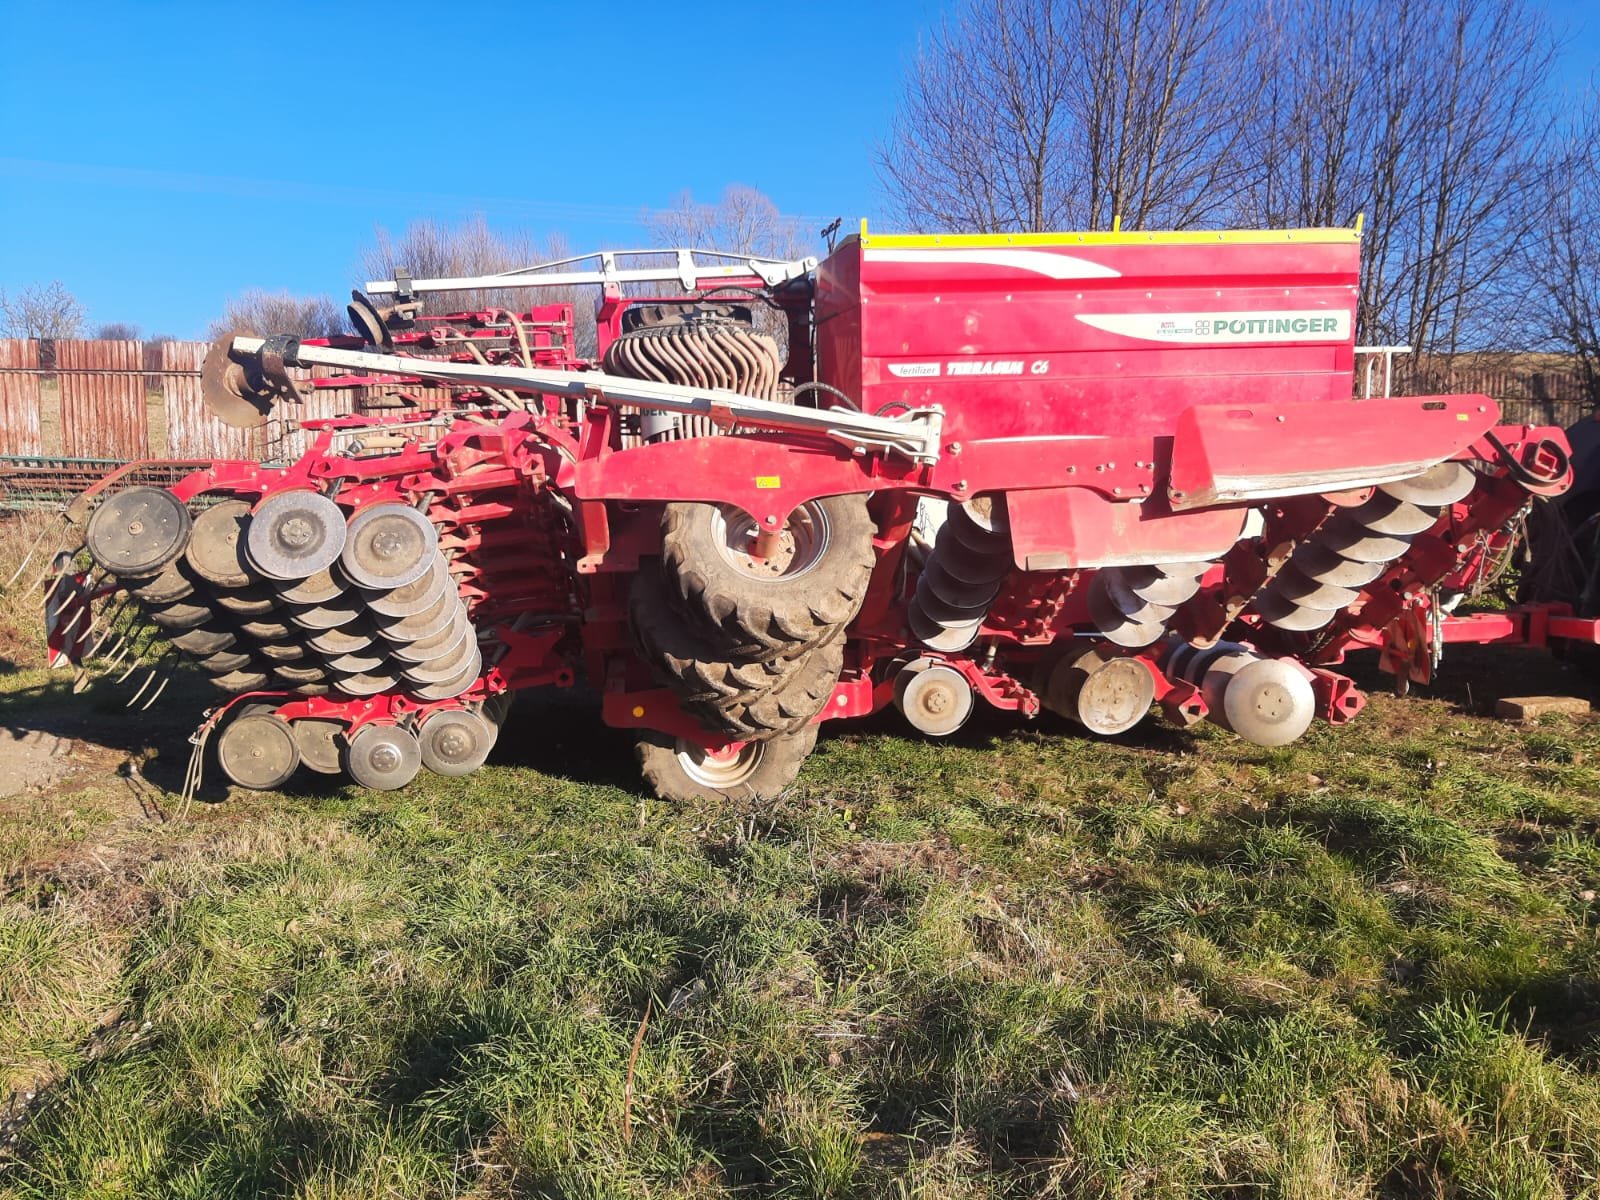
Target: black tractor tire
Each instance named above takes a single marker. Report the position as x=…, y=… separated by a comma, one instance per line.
x=785, y=708
x=683, y=657
x=762, y=771
x=770, y=612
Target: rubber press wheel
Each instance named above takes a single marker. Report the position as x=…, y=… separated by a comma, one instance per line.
x=812, y=584
x=678, y=770
x=258, y=751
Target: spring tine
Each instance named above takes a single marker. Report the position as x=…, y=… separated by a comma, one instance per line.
x=156, y=695
x=116, y=608
x=32, y=550
x=149, y=679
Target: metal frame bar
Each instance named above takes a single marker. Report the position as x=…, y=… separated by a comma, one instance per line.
x=685, y=270
x=915, y=435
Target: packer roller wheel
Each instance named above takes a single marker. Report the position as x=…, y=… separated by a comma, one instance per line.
x=382, y=757
x=258, y=751
x=138, y=531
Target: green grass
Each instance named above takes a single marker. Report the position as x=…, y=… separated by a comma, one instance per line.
x=1018, y=963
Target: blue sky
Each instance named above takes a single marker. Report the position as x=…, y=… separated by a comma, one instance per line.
x=159, y=157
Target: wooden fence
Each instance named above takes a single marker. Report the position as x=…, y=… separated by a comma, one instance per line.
x=114, y=400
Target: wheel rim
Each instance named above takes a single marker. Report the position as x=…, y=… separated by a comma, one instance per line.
x=802, y=544
x=725, y=770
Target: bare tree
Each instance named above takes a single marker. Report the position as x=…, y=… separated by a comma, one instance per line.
x=1050, y=114
x=743, y=221
x=1426, y=115
x=117, y=331
x=433, y=249
x=41, y=311
x=1563, y=258
x=278, y=312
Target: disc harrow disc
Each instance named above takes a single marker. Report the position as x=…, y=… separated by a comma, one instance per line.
x=1286, y=614
x=357, y=661
x=1309, y=593
x=454, y=686
x=958, y=592
x=268, y=629
x=216, y=548
x=365, y=683
x=1165, y=583
x=323, y=587
x=1322, y=564
x=224, y=661
x=336, y=613
x=346, y=640
x=416, y=596
x=253, y=601
x=138, y=531
x=446, y=666
x=937, y=608
x=295, y=534
x=180, y=614
x=1386, y=514
x=433, y=647
x=175, y=582
x=1443, y=483
x=388, y=546
x=258, y=751
x=455, y=742
x=319, y=743
x=203, y=640
x=1117, y=626
x=383, y=757
x=946, y=638
x=430, y=622
x=1349, y=540
x=247, y=680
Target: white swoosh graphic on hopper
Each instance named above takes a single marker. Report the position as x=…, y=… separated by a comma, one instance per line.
x=1040, y=262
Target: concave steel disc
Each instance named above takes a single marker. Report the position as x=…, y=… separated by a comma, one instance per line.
x=357, y=661
x=1309, y=593
x=180, y=614
x=319, y=744
x=323, y=587
x=295, y=534
x=383, y=757
x=1385, y=514
x=454, y=686
x=446, y=666
x=138, y=531
x=224, y=661
x=426, y=624
x=247, y=680
x=968, y=565
x=258, y=752
x=988, y=543
x=176, y=582
x=253, y=601
x=440, y=643
x=958, y=592
x=364, y=683
x=345, y=640
x=216, y=548
x=268, y=629
x=281, y=652
x=339, y=611
x=455, y=741
x=203, y=640
x=1318, y=562
x=414, y=597
x=1128, y=602
x=936, y=608
x=388, y=546
x=1349, y=540
x=1115, y=625
x=1165, y=583
x=1443, y=483
x=941, y=637
x=1286, y=614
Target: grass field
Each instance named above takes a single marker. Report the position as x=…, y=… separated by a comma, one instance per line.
x=1017, y=963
